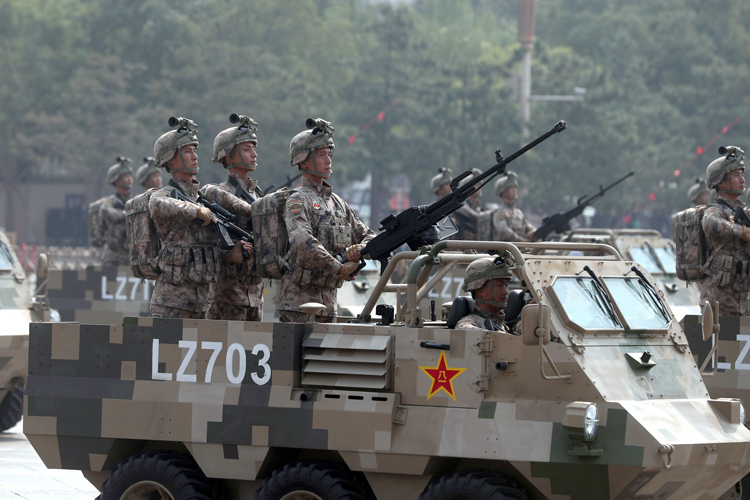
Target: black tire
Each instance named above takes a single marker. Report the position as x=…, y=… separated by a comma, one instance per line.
x=156, y=475
x=744, y=488
x=11, y=409
x=310, y=480
x=473, y=485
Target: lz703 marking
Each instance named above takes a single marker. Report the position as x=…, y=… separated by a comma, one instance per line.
x=235, y=373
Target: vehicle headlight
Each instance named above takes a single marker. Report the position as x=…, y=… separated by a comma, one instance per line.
x=742, y=414
x=581, y=420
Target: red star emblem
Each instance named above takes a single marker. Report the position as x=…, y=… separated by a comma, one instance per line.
x=442, y=377
x=316, y=205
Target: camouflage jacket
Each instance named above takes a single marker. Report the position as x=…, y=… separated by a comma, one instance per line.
x=319, y=224
x=478, y=319
x=239, y=285
x=189, y=253
x=466, y=220
x=728, y=264
x=112, y=218
x=510, y=224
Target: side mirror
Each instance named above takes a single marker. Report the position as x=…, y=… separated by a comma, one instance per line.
x=41, y=267
x=708, y=321
x=535, y=323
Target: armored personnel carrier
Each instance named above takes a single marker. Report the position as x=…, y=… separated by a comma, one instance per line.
x=17, y=309
x=654, y=252
x=597, y=396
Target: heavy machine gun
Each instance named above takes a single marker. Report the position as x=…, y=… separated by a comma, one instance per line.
x=560, y=222
x=416, y=226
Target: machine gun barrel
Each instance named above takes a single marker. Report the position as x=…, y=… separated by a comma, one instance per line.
x=559, y=222
x=412, y=225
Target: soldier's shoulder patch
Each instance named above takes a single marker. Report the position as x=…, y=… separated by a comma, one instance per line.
x=295, y=205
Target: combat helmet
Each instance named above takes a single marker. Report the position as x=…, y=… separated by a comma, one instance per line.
x=172, y=141
x=732, y=158
x=227, y=139
x=487, y=268
x=442, y=178
x=510, y=179
x=118, y=169
x=318, y=135
x=696, y=190
x=475, y=172
x=145, y=170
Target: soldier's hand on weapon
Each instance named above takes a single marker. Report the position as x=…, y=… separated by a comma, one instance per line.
x=746, y=233
x=354, y=252
x=235, y=255
x=205, y=215
x=347, y=268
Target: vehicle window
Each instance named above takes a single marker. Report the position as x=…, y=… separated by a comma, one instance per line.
x=582, y=303
x=637, y=304
x=642, y=256
x=668, y=259
x=6, y=258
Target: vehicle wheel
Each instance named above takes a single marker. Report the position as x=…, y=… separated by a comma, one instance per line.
x=11, y=409
x=473, y=485
x=156, y=475
x=310, y=480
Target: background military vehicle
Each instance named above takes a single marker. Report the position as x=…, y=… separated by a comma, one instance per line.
x=18, y=308
x=98, y=294
x=598, y=397
x=654, y=252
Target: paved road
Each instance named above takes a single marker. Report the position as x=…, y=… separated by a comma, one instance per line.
x=23, y=476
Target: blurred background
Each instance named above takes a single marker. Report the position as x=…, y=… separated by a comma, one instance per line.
x=410, y=86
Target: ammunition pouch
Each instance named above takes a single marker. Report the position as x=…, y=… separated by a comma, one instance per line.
x=195, y=264
x=315, y=277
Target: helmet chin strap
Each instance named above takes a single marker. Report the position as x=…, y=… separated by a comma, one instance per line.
x=314, y=170
x=183, y=167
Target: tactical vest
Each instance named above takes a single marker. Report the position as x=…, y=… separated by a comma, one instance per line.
x=728, y=265
x=333, y=230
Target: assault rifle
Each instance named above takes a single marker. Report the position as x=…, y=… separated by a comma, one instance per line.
x=741, y=217
x=560, y=222
x=415, y=226
x=225, y=226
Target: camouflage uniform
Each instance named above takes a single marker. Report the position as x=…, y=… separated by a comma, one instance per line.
x=189, y=258
x=479, y=319
x=238, y=294
x=112, y=218
x=466, y=219
x=319, y=224
x=728, y=281
x=510, y=224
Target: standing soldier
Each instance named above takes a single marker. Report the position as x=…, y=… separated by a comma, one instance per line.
x=440, y=185
x=320, y=224
x=148, y=175
x=467, y=216
x=112, y=214
x=698, y=193
x=728, y=264
x=510, y=224
x=190, y=258
x=238, y=294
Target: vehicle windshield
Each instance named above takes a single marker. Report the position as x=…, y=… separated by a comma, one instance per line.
x=6, y=259
x=667, y=258
x=639, y=307
x=582, y=303
x=643, y=256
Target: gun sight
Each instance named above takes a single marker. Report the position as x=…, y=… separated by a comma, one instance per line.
x=319, y=125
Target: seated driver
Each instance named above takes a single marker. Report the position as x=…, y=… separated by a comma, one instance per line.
x=487, y=279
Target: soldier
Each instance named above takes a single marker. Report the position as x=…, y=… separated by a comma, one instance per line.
x=698, y=193
x=148, y=175
x=728, y=264
x=441, y=183
x=487, y=279
x=510, y=224
x=467, y=216
x=238, y=294
x=112, y=214
x=190, y=258
x=319, y=224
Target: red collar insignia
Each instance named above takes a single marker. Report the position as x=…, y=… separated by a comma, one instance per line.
x=442, y=377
